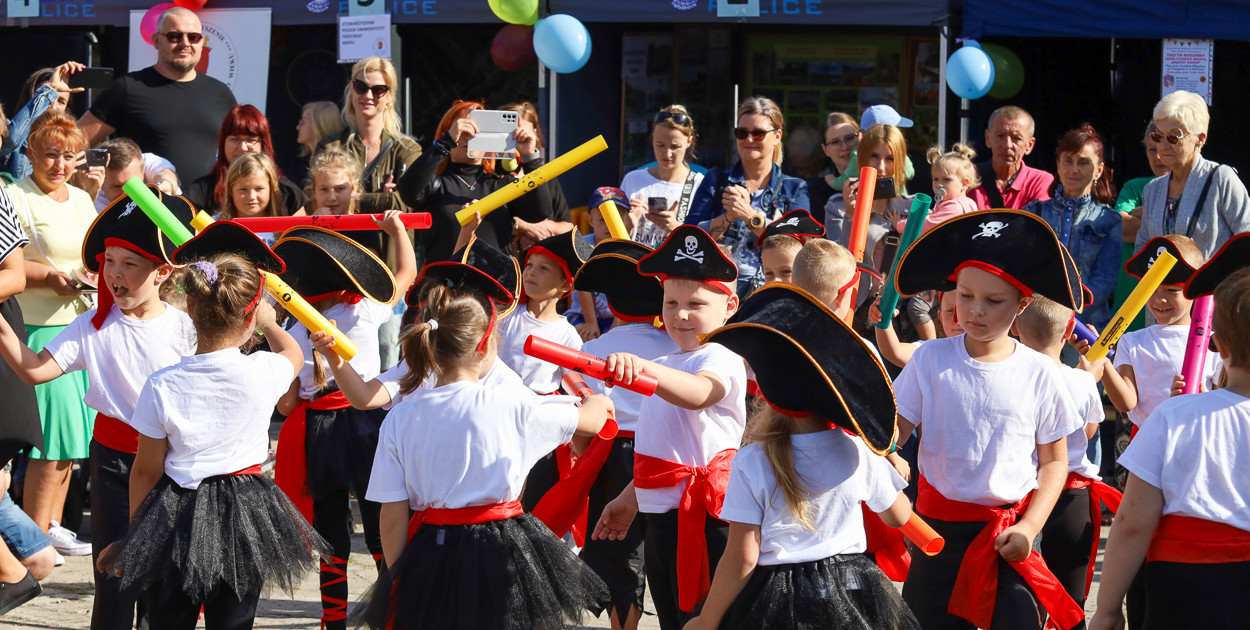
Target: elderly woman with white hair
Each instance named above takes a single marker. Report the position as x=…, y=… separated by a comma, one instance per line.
x=1199, y=198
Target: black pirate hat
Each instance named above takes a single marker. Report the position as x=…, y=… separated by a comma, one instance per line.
x=228, y=237
x=320, y=262
x=1140, y=263
x=570, y=250
x=1234, y=255
x=479, y=265
x=1074, y=281
x=796, y=223
x=689, y=253
x=613, y=271
x=123, y=223
x=1014, y=245
x=808, y=362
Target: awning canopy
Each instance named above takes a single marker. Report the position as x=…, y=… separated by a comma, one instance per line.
x=1150, y=19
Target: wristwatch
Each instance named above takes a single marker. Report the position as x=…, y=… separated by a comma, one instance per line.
x=757, y=221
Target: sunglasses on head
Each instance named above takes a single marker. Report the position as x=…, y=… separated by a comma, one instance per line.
x=379, y=90
x=757, y=135
x=175, y=37
x=678, y=118
x=1172, y=138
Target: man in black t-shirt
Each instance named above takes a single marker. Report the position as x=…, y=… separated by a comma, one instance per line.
x=168, y=109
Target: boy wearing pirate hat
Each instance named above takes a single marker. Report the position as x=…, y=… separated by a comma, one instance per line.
x=688, y=432
x=995, y=419
x=585, y=302
x=1184, y=512
x=131, y=335
x=782, y=240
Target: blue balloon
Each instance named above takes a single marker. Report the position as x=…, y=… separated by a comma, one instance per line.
x=973, y=43
x=562, y=43
x=970, y=73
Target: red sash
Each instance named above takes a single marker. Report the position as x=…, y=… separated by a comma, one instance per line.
x=886, y=545
x=1100, y=494
x=704, y=495
x=250, y=470
x=1197, y=541
x=290, y=468
x=567, y=504
x=977, y=582
x=115, y=434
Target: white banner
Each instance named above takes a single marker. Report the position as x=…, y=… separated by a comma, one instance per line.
x=236, y=50
x=1187, y=66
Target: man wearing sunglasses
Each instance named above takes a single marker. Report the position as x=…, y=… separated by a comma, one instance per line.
x=168, y=108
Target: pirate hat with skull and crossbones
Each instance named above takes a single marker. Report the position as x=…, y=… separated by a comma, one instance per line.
x=796, y=223
x=1188, y=258
x=689, y=253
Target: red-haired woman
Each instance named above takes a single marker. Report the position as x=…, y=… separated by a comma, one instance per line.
x=445, y=178
x=244, y=129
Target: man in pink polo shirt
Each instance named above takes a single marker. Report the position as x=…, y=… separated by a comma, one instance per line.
x=1006, y=181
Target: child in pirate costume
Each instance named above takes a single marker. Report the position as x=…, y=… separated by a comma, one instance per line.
x=454, y=457
x=795, y=558
x=208, y=532
x=781, y=241
x=606, y=467
x=688, y=432
x=988, y=406
x=326, y=448
x=129, y=336
x=1184, y=512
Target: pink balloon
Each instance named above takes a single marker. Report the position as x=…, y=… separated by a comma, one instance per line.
x=513, y=48
x=149, y=23
x=194, y=5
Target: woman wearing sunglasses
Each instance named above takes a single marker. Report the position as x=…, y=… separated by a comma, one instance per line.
x=243, y=130
x=1199, y=198
x=735, y=204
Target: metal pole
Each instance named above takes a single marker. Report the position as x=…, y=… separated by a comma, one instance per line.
x=963, y=120
x=944, y=34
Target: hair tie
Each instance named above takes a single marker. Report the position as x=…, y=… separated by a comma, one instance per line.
x=432, y=323
x=208, y=269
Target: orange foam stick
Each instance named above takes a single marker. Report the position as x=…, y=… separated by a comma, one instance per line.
x=858, y=240
x=920, y=533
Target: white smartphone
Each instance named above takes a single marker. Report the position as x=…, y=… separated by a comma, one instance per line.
x=496, y=134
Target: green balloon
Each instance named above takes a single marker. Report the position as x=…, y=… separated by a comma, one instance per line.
x=1008, y=71
x=515, y=11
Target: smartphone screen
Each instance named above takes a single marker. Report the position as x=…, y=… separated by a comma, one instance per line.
x=657, y=204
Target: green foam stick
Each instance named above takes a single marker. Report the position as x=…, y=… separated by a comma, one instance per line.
x=915, y=223
x=160, y=215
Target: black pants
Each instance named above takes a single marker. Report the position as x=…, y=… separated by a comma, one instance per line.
x=539, y=480
x=660, y=556
x=932, y=578
x=112, y=608
x=1067, y=539
x=225, y=611
x=1207, y=596
x=618, y=562
x=332, y=519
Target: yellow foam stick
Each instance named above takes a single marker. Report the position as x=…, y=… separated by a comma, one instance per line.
x=612, y=216
x=533, y=180
x=1132, y=306
x=296, y=305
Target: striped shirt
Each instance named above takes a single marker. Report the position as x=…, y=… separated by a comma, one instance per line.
x=12, y=236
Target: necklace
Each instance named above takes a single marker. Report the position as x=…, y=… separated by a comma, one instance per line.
x=472, y=186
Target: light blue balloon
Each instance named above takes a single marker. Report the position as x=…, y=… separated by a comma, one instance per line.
x=970, y=73
x=973, y=43
x=562, y=43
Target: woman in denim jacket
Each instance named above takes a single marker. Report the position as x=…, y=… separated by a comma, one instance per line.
x=734, y=205
x=1080, y=212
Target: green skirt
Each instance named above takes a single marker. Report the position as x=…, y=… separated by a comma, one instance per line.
x=67, y=421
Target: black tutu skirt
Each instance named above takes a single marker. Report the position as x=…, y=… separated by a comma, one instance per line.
x=846, y=591
x=511, y=574
x=235, y=531
x=339, y=446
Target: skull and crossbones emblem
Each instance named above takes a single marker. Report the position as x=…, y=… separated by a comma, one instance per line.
x=1161, y=251
x=691, y=252
x=991, y=228
x=130, y=206
x=792, y=222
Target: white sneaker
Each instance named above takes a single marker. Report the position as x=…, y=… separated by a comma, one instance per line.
x=67, y=542
x=60, y=560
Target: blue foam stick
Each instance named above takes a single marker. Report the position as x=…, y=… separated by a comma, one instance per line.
x=920, y=206
x=1084, y=332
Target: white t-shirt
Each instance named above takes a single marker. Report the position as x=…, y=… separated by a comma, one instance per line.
x=214, y=409
x=1083, y=390
x=1156, y=354
x=982, y=421
x=640, y=182
x=837, y=471
x=539, y=375
x=1193, y=448
x=691, y=437
x=122, y=355
x=641, y=339
x=498, y=375
x=360, y=322
x=466, y=444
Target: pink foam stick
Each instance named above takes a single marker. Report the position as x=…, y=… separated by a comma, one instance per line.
x=1196, y=348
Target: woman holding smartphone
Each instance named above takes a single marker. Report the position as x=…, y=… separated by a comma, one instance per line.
x=660, y=195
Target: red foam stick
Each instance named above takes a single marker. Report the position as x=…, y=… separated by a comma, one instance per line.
x=919, y=532
x=337, y=222
x=858, y=239
x=587, y=364
x=575, y=385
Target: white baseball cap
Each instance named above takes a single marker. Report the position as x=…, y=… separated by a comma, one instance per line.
x=882, y=115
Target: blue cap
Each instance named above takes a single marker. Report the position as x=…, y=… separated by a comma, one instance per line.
x=882, y=115
x=604, y=193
